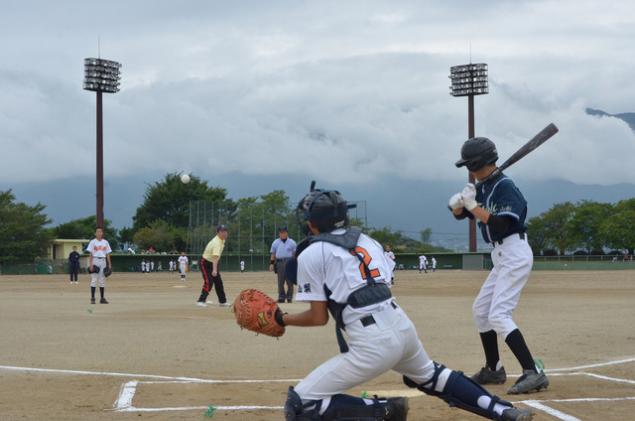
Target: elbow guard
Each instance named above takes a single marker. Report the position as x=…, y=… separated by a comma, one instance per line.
x=499, y=225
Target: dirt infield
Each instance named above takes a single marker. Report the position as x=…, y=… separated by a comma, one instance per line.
x=152, y=354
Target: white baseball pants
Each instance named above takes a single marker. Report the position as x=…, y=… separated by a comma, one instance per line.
x=98, y=277
x=500, y=293
x=389, y=344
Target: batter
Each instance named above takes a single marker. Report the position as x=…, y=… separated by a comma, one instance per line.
x=344, y=272
x=500, y=209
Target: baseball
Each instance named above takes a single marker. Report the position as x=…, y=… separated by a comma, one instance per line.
x=185, y=178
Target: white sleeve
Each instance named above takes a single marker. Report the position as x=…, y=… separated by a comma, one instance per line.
x=311, y=275
x=108, y=249
x=89, y=248
x=273, y=246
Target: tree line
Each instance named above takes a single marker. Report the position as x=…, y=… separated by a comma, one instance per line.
x=163, y=222
x=584, y=227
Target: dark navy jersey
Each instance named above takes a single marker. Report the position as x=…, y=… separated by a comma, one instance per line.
x=500, y=197
x=73, y=258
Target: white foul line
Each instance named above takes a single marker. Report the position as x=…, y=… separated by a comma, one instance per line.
x=139, y=376
x=551, y=411
x=191, y=408
x=612, y=379
x=583, y=367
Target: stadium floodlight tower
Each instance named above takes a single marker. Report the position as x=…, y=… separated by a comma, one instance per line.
x=101, y=76
x=469, y=80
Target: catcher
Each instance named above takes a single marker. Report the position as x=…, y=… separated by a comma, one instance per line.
x=344, y=272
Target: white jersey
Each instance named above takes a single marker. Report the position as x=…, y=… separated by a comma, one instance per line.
x=390, y=255
x=325, y=264
x=183, y=260
x=242, y=265
x=423, y=260
x=434, y=263
x=99, y=248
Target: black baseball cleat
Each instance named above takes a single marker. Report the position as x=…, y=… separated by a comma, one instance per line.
x=488, y=376
x=531, y=381
x=103, y=301
x=92, y=301
x=397, y=409
x=517, y=414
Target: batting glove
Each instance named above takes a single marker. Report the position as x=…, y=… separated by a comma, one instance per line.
x=469, y=196
x=456, y=202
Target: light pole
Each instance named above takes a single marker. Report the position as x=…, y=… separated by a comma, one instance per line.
x=101, y=76
x=469, y=80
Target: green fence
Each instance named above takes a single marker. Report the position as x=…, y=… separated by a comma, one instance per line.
x=260, y=262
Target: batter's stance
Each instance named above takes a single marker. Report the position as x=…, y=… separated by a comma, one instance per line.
x=500, y=209
x=344, y=272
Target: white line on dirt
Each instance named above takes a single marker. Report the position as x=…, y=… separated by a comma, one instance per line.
x=584, y=367
x=139, y=376
x=191, y=408
x=551, y=411
x=613, y=379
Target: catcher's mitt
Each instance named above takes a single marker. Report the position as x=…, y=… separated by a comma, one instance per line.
x=256, y=311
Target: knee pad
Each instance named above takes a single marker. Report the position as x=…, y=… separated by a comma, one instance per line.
x=296, y=410
x=459, y=391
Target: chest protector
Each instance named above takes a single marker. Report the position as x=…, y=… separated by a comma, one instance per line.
x=371, y=293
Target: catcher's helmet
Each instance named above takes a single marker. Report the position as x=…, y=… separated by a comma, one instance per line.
x=326, y=209
x=476, y=153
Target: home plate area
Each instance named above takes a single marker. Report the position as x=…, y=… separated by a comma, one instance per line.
x=604, y=391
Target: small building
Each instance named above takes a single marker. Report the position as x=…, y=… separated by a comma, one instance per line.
x=60, y=248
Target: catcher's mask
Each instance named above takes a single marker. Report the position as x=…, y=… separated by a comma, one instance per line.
x=325, y=209
x=476, y=153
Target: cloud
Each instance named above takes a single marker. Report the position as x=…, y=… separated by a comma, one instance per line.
x=351, y=91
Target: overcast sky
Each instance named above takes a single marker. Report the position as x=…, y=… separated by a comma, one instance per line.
x=337, y=90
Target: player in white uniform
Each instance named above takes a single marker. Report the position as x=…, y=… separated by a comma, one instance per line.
x=242, y=266
x=423, y=264
x=183, y=261
x=434, y=264
x=391, y=257
x=99, y=259
x=344, y=272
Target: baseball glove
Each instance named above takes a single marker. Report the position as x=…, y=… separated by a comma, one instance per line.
x=93, y=269
x=107, y=271
x=256, y=311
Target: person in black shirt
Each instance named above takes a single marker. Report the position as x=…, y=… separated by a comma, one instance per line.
x=73, y=265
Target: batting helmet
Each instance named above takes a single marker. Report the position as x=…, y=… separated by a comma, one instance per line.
x=476, y=153
x=325, y=209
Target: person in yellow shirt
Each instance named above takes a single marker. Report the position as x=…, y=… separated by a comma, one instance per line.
x=210, y=262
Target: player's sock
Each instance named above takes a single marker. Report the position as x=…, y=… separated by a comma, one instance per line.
x=101, y=292
x=490, y=346
x=92, y=292
x=516, y=343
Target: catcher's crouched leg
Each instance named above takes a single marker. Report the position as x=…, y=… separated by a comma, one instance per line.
x=345, y=408
x=462, y=392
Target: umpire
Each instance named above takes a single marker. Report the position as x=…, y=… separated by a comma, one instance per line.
x=282, y=250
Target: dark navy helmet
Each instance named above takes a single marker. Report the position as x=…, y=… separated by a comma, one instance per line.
x=476, y=153
x=325, y=209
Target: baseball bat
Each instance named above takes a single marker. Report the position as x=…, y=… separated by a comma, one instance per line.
x=544, y=135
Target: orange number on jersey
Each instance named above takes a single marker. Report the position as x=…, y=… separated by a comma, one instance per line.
x=367, y=259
